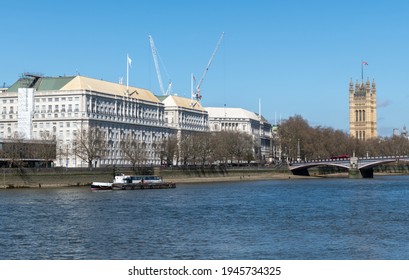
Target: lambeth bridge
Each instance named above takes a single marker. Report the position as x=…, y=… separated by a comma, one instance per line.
x=357, y=167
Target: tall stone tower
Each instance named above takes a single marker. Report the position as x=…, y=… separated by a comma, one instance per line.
x=362, y=110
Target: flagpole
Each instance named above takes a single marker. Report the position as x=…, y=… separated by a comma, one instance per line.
x=362, y=70
x=127, y=73
x=191, y=86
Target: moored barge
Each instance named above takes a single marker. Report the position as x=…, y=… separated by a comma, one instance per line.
x=134, y=182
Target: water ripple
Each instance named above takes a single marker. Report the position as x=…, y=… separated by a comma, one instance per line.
x=294, y=219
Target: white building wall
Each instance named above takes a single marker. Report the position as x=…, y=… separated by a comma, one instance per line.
x=62, y=114
x=25, y=112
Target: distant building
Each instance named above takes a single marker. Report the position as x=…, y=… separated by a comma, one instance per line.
x=362, y=110
x=237, y=119
x=403, y=133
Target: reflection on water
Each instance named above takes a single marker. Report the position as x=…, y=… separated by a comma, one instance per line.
x=288, y=219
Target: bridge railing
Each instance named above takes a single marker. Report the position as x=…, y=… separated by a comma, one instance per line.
x=347, y=159
x=319, y=160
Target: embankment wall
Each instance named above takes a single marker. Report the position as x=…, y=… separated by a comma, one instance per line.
x=61, y=177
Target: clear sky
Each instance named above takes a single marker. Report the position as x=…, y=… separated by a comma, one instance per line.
x=297, y=57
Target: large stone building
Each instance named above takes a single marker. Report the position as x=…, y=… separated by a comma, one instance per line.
x=63, y=108
x=362, y=110
x=238, y=119
x=59, y=108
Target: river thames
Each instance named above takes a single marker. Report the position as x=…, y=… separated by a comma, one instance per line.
x=303, y=219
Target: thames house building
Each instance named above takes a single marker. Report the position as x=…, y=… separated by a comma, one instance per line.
x=61, y=108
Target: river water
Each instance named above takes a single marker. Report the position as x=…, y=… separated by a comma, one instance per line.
x=280, y=219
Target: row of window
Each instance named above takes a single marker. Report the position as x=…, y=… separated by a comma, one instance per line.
x=360, y=135
x=54, y=124
x=192, y=119
x=123, y=109
x=231, y=126
x=360, y=115
x=53, y=99
x=57, y=108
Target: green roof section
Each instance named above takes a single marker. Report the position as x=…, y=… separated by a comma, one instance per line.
x=161, y=97
x=41, y=83
x=53, y=83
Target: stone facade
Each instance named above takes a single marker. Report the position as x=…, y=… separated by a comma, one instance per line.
x=362, y=110
x=60, y=107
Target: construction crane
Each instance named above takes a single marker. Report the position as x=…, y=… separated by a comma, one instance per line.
x=155, y=59
x=196, y=93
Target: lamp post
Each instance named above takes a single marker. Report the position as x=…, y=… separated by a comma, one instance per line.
x=298, y=151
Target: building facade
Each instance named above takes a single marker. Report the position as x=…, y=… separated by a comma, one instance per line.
x=362, y=110
x=60, y=108
x=184, y=114
x=237, y=119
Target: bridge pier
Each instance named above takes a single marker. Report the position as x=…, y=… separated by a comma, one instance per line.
x=356, y=173
x=359, y=174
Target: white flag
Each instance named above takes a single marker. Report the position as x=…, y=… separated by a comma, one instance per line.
x=129, y=61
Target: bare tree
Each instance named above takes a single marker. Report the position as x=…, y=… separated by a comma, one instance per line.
x=203, y=148
x=47, y=148
x=168, y=149
x=221, y=147
x=233, y=146
x=15, y=150
x=89, y=145
x=187, y=152
x=133, y=150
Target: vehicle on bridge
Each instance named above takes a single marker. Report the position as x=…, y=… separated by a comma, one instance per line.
x=344, y=156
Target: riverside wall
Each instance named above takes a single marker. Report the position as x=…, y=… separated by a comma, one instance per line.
x=62, y=177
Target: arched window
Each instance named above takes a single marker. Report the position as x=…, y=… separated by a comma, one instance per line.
x=356, y=115
x=363, y=115
x=360, y=115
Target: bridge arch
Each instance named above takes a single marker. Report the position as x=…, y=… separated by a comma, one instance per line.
x=357, y=167
x=302, y=169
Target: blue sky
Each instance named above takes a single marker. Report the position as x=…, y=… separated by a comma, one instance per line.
x=297, y=57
